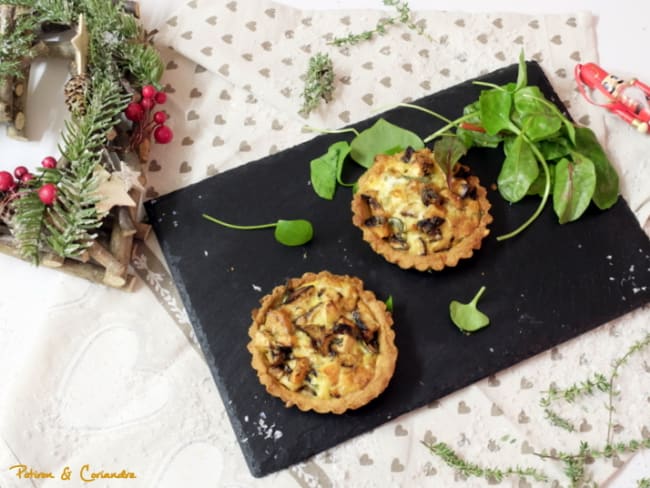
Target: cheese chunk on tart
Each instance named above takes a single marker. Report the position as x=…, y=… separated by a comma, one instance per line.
x=417, y=216
x=321, y=342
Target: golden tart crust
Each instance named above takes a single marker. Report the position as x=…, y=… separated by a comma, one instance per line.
x=415, y=215
x=321, y=342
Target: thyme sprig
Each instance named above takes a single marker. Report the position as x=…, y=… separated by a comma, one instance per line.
x=403, y=16
x=319, y=83
x=635, y=348
x=598, y=382
x=467, y=468
x=584, y=388
x=557, y=420
x=574, y=464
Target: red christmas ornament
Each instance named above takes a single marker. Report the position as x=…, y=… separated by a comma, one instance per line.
x=147, y=103
x=49, y=162
x=161, y=97
x=27, y=177
x=47, y=193
x=20, y=171
x=6, y=181
x=160, y=117
x=163, y=134
x=134, y=112
x=148, y=91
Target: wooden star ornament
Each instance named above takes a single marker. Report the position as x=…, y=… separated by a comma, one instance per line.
x=111, y=191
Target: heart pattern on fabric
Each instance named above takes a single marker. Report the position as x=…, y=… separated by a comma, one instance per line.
x=365, y=460
x=189, y=465
x=104, y=400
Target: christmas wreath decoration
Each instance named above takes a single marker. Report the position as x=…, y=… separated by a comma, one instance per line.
x=81, y=212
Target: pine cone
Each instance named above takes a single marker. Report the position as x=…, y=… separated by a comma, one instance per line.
x=75, y=94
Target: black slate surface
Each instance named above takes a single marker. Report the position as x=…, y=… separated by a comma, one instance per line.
x=544, y=287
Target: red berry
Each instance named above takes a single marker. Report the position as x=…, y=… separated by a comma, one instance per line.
x=147, y=103
x=148, y=91
x=26, y=177
x=49, y=162
x=160, y=117
x=161, y=97
x=134, y=112
x=47, y=193
x=20, y=171
x=163, y=134
x=6, y=181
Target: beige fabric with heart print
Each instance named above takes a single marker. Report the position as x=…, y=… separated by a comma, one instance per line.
x=129, y=389
x=240, y=102
x=235, y=73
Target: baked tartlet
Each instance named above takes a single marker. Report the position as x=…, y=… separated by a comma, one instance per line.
x=321, y=342
x=417, y=216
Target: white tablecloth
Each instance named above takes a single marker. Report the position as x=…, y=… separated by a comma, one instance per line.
x=96, y=376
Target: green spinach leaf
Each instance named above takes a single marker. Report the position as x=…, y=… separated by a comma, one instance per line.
x=537, y=120
x=472, y=133
x=575, y=182
x=326, y=170
x=466, y=316
x=538, y=186
x=287, y=232
x=293, y=232
x=554, y=148
x=381, y=137
x=495, y=106
x=519, y=169
x=606, y=193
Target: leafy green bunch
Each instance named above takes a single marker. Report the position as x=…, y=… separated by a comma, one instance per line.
x=545, y=153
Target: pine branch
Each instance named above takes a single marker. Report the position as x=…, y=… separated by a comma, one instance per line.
x=142, y=61
x=27, y=224
x=15, y=46
x=57, y=11
x=73, y=218
x=21, y=3
x=111, y=29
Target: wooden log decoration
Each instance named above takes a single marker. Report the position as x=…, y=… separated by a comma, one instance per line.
x=132, y=8
x=87, y=271
x=107, y=259
x=115, y=272
x=16, y=130
x=7, y=17
x=122, y=235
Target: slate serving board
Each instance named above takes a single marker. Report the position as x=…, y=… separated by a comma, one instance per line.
x=544, y=287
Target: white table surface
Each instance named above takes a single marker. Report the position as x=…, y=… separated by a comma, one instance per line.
x=623, y=32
